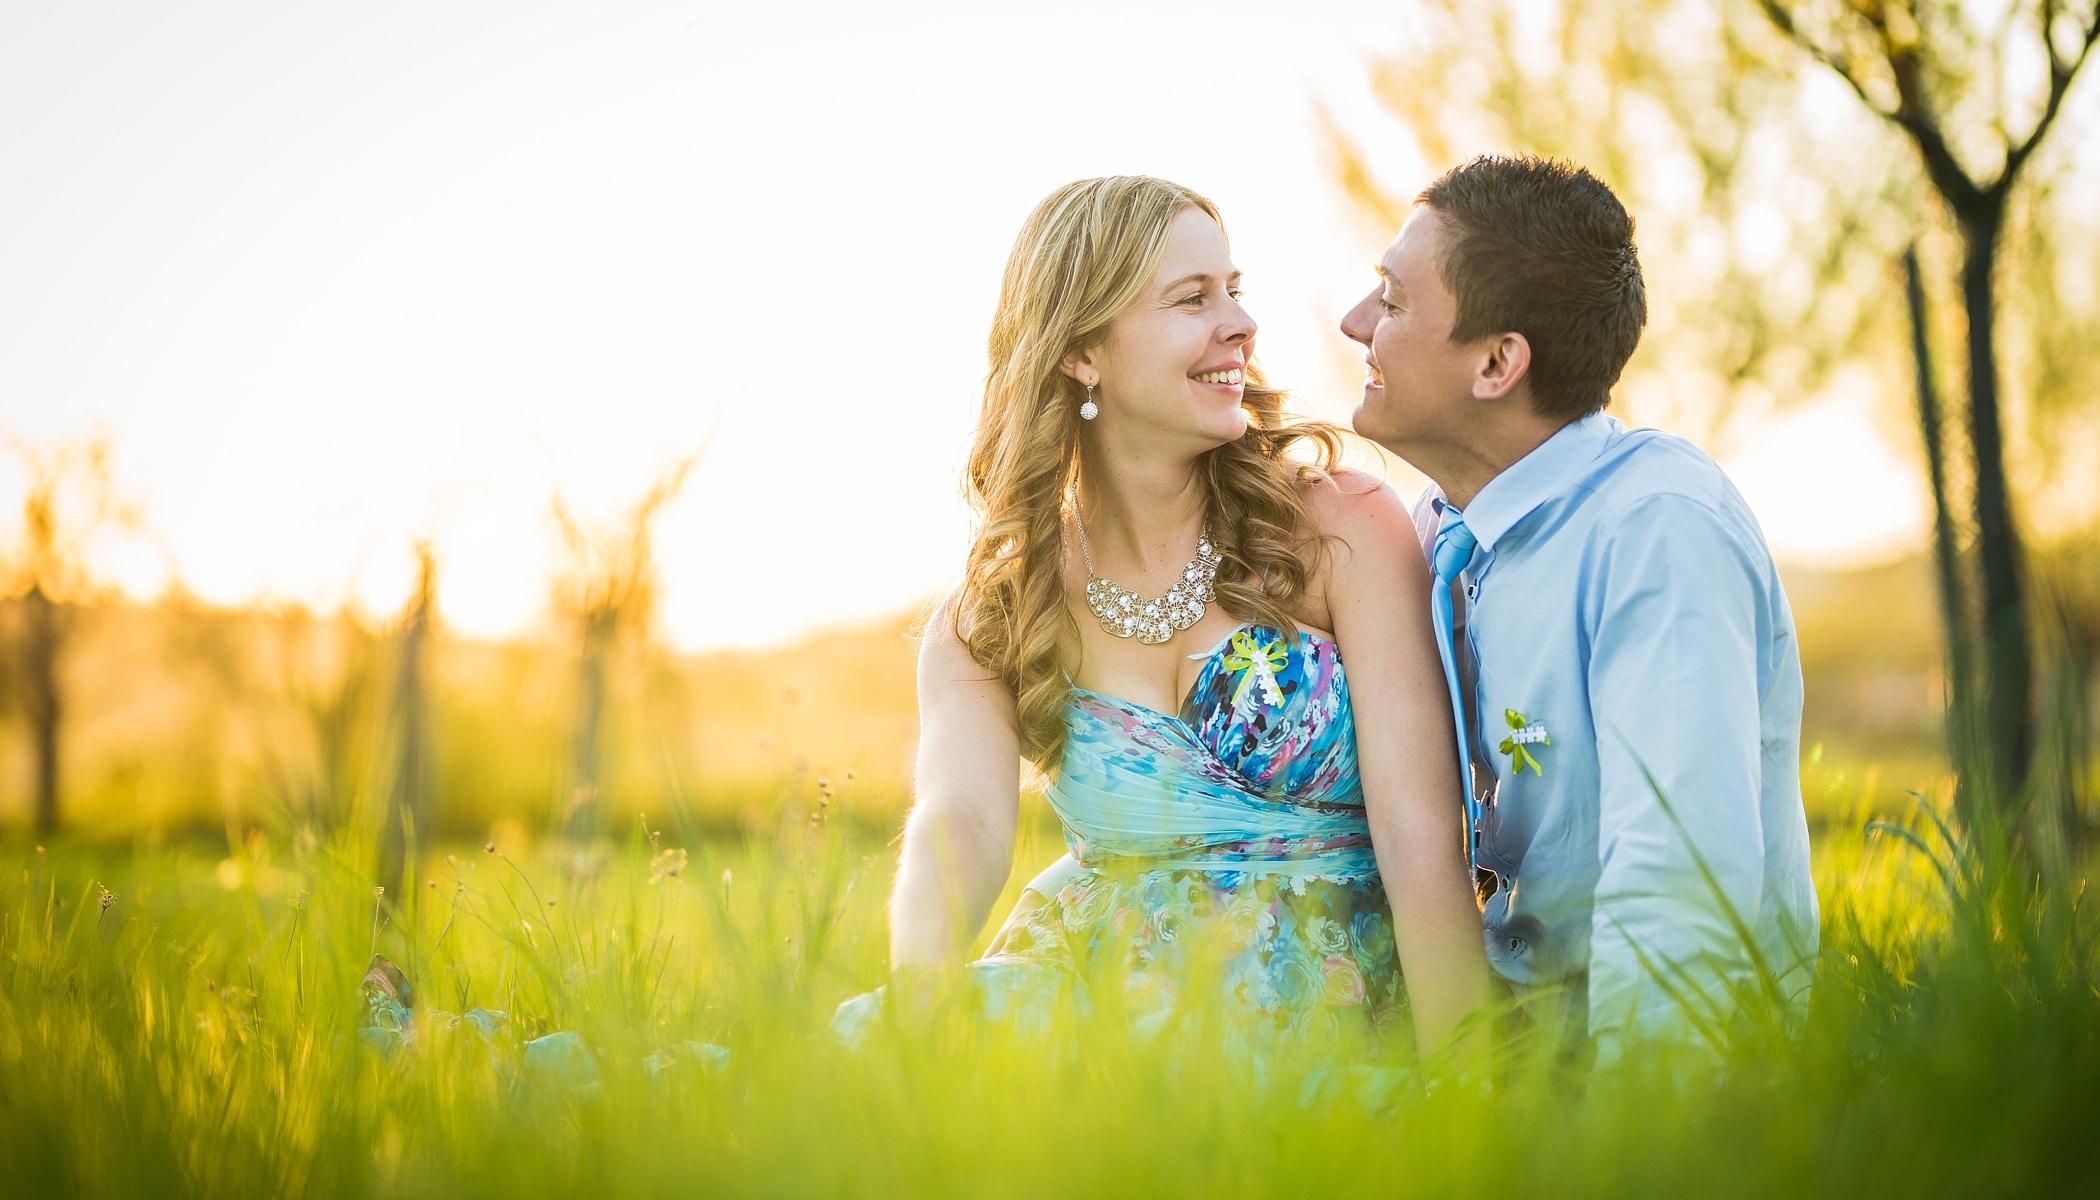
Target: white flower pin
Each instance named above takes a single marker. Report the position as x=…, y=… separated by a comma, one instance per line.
x=1523, y=732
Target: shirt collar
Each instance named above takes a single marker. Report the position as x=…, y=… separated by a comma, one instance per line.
x=1537, y=477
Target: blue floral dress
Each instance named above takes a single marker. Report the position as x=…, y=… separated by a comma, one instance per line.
x=1218, y=855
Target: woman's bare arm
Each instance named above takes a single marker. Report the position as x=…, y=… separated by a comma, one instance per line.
x=1378, y=598
x=959, y=838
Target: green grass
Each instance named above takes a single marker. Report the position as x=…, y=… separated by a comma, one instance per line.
x=199, y=1036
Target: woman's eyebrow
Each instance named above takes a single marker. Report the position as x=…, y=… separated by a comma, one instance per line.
x=1198, y=277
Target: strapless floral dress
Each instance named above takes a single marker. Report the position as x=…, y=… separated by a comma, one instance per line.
x=1219, y=859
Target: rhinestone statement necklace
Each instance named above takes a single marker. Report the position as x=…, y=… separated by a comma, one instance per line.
x=1124, y=613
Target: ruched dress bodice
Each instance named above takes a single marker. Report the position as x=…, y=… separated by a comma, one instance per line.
x=1218, y=858
x=1222, y=847
x=1256, y=772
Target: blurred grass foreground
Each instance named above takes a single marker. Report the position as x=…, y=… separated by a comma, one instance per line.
x=180, y=1005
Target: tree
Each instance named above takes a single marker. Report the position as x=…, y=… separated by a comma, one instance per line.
x=607, y=590
x=1919, y=66
x=70, y=499
x=408, y=802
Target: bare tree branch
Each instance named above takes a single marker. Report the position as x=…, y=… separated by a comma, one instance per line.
x=1783, y=19
x=2061, y=73
x=1911, y=113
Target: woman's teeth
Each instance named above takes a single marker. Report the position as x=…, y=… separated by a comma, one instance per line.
x=1226, y=377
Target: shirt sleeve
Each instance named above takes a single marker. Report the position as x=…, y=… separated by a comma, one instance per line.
x=1674, y=695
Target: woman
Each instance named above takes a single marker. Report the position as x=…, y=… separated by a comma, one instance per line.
x=1155, y=613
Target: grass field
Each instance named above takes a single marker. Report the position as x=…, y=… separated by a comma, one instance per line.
x=194, y=1030
x=180, y=1005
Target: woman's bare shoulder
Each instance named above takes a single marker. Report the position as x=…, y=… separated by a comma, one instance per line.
x=1351, y=505
x=943, y=656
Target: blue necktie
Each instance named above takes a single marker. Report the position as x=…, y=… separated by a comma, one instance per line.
x=1454, y=549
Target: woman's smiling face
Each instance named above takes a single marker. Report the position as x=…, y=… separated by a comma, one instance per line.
x=1174, y=362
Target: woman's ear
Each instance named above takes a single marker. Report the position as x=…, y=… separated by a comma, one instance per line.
x=1079, y=365
x=1508, y=361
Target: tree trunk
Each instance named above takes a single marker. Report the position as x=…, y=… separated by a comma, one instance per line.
x=40, y=674
x=1946, y=549
x=2006, y=643
x=585, y=808
x=407, y=815
x=2064, y=748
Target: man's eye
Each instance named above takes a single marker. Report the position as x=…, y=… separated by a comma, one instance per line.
x=1388, y=305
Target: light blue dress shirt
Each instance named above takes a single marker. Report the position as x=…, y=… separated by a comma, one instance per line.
x=1622, y=596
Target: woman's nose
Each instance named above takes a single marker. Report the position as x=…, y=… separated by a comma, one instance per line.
x=1357, y=323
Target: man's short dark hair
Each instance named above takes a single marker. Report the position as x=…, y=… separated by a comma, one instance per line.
x=1541, y=247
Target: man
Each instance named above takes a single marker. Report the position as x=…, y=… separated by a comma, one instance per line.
x=1624, y=670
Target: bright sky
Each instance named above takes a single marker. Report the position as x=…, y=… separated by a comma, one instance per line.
x=334, y=278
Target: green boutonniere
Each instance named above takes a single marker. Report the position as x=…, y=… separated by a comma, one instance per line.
x=1523, y=731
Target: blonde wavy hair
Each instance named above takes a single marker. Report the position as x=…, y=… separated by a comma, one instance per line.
x=1087, y=252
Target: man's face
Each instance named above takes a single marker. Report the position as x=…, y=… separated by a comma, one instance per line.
x=1420, y=386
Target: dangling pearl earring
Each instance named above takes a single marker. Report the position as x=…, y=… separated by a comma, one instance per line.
x=1089, y=410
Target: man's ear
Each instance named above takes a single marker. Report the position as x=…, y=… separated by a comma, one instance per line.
x=1079, y=365
x=1507, y=362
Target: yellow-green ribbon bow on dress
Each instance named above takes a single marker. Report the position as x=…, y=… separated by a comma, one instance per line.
x=1256, y=662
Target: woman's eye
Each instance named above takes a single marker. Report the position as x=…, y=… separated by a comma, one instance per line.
x=1235, y=293
x=1197, y=298
x=1388, y=305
